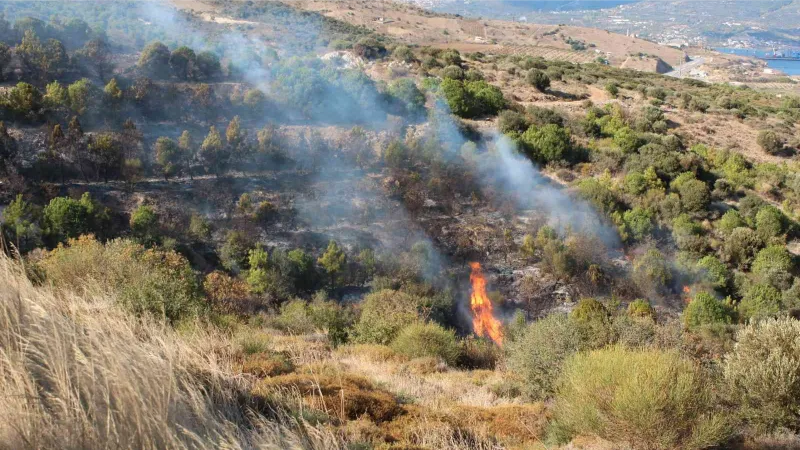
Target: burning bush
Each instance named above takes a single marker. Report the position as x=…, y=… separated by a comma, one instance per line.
x=644, y=398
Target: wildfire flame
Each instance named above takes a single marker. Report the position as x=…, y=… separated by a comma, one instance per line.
x=483, y=320
x=687, y=291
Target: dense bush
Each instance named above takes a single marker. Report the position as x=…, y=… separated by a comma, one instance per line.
x=773, y=265
x=143, y=280
x=760, y=301
x=470, y=99
x=643, y=398
x=695, y=195
x=538, y=79
x=769, y=141
x=539, y=353
x=420, y=340
x=704, y=309
x=740, y=247
x=548, y=143
x=384, y=314
x=763, y=374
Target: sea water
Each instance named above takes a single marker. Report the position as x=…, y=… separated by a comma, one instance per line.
x=787, y=67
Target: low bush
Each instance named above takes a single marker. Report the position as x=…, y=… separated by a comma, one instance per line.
x=763, y=374
x=704, y=309
x=643, y=398
x=538, y=354
x=421, y=340
x=384, y=314
x=144, y=280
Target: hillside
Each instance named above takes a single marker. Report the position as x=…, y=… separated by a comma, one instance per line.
x=263, y=225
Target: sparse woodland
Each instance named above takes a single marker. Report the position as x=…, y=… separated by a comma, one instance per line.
x=256, y=233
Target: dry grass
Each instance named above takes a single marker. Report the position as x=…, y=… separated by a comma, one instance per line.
x=78, y=373
x=439, y=388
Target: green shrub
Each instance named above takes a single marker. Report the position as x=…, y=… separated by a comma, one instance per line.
x=760, y=301
x=144, y=224
x=384, y=314
x=695, y=196
x=773, y=265
x=627, y=140
x=651, y=271
x=715, y=271
x=144, y=280
x=593, y=323
x=740, y=247
x=769, y=141
x=763, y=374
x=704, y=309
x=642, y=398
x=508, y=121
x=538, y=79
x=295, y=317
x=730, y=221
x=548, y=143
x=65, y=218
x=641, y=308
x=770, y=223
x=420, y=340
x=539, y=353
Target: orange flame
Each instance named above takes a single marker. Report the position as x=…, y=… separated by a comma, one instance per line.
x=483, y=321
x=688, y=297
x=687, y=289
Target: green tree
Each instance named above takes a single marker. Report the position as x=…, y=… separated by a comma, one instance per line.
x=208, y=65
x=187, y=149
x=21, y=224
x=154, y=60
x=65, y=218
x=638, y=222
x=773, y=265
x=407, y=92
x=651, y=271
x=255, y=100
x=168, y=156
x=213, y=153
x=740, y=247
x=23, y=101
x=730, y=221
x=55, y=95
x=81, y=96
x=333, y=261
x=183, y=63
x=715, y=272
x=144, y=225
x=113, y=93
x=627, y=140
x=106, y=152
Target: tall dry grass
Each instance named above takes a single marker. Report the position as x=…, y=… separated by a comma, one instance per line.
x=76, y=372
